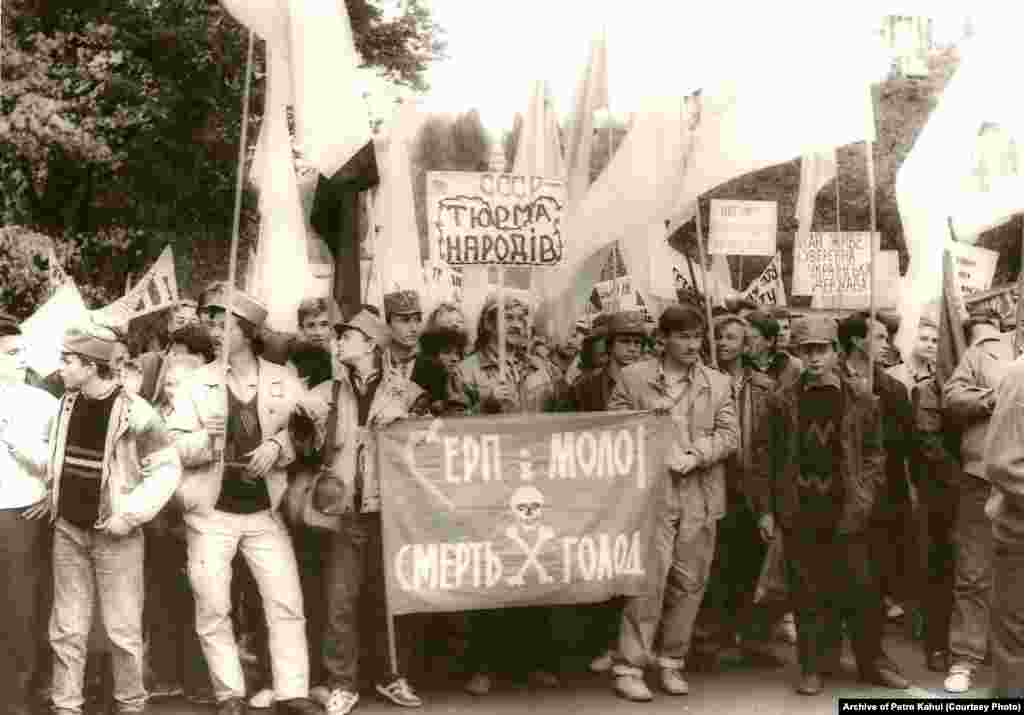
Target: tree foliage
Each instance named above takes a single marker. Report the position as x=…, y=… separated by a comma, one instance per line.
x=120, y=122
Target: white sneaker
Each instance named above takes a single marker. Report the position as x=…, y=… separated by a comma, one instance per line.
x=262, y=700
x=602, y=663
x=673, y=682
x=341, y=702
x=958, y=680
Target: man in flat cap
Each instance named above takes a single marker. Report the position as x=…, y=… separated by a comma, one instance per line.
x=624, y=334
x=112, y=468
x=702, y=407
x=821, y=455
x=969, y=397
x=242, y=415
x=364, y=396
x=26, y=417
x=404, y=316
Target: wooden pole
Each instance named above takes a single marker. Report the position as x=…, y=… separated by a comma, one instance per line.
x=869, y=149
x=707, y=289
x=502, y=351
x=1018, y=333
x=839, y=228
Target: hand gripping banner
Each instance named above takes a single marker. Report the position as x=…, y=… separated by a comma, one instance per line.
x=519, y=510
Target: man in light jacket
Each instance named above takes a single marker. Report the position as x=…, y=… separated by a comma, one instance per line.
x=371, y=394
x=700, y=401
x=245, y=413
x=112, y=468
x=969, y=397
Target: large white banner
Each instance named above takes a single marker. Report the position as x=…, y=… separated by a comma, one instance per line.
x=743, y=228
x=157, y=290
x=44, y=330
x=483, y=218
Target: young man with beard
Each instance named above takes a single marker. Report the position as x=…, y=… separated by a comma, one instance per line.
x=701, y=404
x=567, y=354
x=112, y=468
x=242, y=414
x=25, y=423
x=404, y=316
x=365, y=395
x=820, y=451
x=481, y=385
x=741, y=550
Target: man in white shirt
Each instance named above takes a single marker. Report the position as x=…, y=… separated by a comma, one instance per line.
x=25, y=416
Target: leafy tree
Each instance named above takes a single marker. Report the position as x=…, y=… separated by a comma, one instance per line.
x=120, y=123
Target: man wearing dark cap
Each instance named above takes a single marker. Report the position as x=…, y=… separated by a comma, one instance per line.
x=363, y=397
x=112, y=468
x=624, y=333
x=763, y=350
x=404, y=316
x=969, y=397
x=26, y=417
x=231, y=431
x=706, y=433
x=820, y=453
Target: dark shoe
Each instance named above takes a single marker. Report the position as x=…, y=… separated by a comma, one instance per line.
x=298, y=706
x=937, y=661
x=831, y=664
x=810, y=684
x=885, y=675
x=232, y=706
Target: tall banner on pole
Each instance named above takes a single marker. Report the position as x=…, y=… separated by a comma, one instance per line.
x=519, y=510
x=767, y=289
x=743, y=228
x=156, y=290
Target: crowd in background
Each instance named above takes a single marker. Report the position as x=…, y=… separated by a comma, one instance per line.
x=226, y=526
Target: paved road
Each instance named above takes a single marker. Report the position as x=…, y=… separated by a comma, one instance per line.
x=763, y=689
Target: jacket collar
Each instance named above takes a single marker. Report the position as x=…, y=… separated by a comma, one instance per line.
x=698, y=377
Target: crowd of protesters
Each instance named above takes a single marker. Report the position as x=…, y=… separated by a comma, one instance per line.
x=225, y=526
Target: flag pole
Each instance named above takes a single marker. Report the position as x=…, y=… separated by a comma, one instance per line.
x=236, y=221
x=707, y=289
x=502, y=352
x=1018, y=333
x=869, y=149
x=839, y=228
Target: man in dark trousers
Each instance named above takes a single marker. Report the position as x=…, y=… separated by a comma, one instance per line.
x=820, y=447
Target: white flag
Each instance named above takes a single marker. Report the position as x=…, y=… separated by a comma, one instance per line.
x=156, y=290
x=767, y=288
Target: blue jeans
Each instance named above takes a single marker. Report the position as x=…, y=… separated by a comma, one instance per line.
x=88, y=563
x=972, y=586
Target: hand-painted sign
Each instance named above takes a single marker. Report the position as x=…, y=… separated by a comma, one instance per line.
x=481, y=218
x=516, y=510
x=743, y=228
x=157, y=290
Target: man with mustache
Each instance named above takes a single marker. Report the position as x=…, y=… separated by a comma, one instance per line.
x=482, y=385
x=700, y=402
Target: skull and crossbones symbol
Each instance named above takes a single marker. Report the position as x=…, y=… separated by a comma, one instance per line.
x=527, y=507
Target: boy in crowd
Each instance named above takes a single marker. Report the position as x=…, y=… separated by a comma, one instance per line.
x=404, y=316
x=112, y=468
x=763, y=350
x=245, y=414
x=25, y=424
x=701, y=403
x=820, y=450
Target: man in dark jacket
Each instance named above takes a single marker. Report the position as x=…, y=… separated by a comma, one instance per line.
x=820, y=451
x=892, y=533
x=625, y=334
x=763, y=350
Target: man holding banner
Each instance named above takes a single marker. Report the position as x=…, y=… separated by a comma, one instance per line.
x=700, y=402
